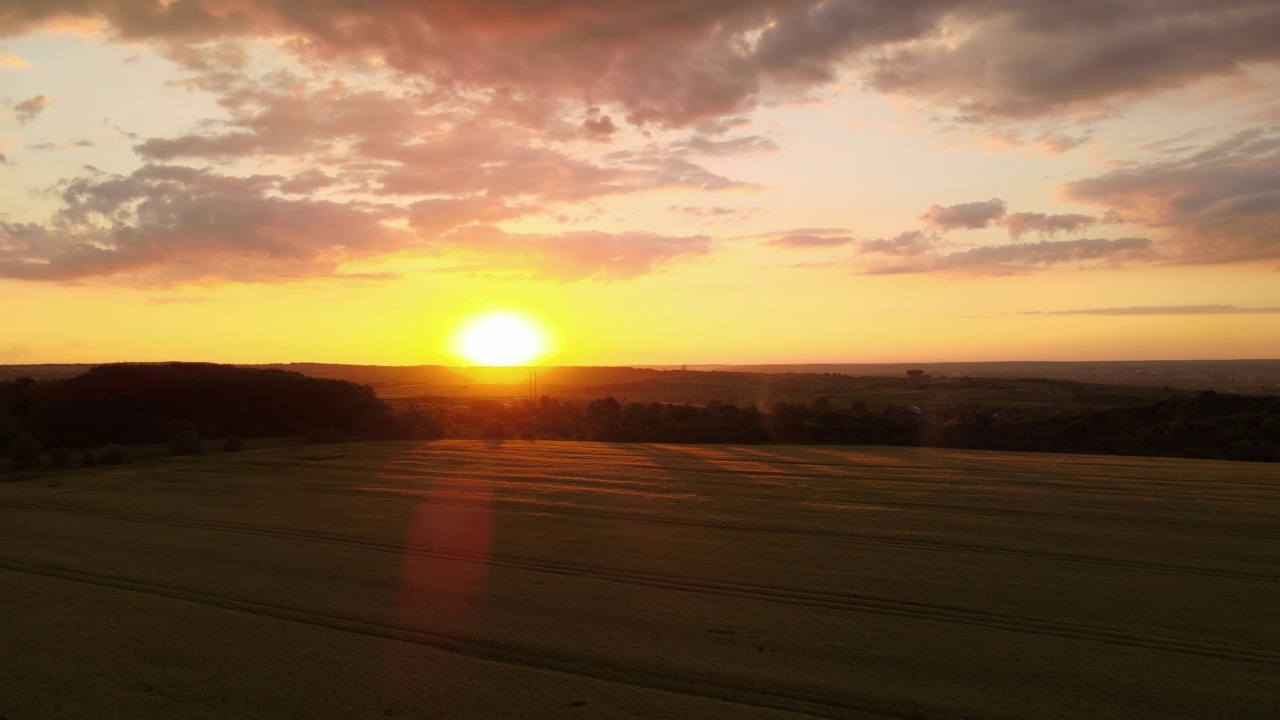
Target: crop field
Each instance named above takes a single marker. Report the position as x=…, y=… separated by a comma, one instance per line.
x=558, y=580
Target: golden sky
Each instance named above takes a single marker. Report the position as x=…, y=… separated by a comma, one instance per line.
x=654, y=181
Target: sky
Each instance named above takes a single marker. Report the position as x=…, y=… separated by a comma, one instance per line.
x=652, y=181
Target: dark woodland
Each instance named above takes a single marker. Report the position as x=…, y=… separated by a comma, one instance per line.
x=185, y=403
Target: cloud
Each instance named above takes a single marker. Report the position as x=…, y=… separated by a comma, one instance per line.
x=716, y=213
x=164, y=224
x=983, y=214
x=1164, y=310
x=774, y=234
x=13, y=62
x=599, y=128
x=1026, y=60
x=1018, y=258
x=30, y=109
x=1055, y=143
x=574, y=256
x=168, y=224
x=1019, y=224
x=965, y=216
x=63, y=145
x=810, y=241
x=679, y=63
x=907, y=244
x=1218, y=204
x=696, y=211
x=744, y=145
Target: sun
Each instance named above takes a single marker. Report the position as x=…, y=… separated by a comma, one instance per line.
x=501, y=338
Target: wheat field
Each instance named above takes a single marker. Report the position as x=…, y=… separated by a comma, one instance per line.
x=460, y=579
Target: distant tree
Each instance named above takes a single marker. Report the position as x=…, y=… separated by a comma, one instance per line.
x=113, y=455
x=916, y=374
x=88, y=459
x=60, y=457
x=494, y=430
x=24, y=452
x=326, y=436
x=186, y=442
x=233, y=443
x=9, y=426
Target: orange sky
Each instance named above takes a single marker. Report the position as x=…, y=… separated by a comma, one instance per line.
x=655, y=181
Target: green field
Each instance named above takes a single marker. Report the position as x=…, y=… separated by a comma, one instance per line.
x=557, y=580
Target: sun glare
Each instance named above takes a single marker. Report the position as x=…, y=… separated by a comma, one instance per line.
x=501, y=338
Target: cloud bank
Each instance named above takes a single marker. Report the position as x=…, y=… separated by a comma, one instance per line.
x=420, y=127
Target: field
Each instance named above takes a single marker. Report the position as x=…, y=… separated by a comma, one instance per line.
x=558, y=580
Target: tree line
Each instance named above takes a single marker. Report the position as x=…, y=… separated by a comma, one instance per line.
x=1204, y=425
x=184, y=403
x=129, y=404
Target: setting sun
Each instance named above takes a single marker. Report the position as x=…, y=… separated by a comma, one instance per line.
x=501, y=338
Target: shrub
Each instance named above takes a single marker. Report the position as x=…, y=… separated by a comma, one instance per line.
x=24, y=452
x=60, y=457
x=113, y=455
x=233, y=443
x=326, y=436
x=494, y=431
x=88, y=459
x=186, y=442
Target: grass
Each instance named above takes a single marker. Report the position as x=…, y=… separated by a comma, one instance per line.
x=472, y=580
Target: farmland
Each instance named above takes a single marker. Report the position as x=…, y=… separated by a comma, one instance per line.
x=560, y=579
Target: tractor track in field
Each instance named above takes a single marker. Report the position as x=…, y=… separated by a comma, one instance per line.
x=869, y=538
x=725, y=689
x=826, y=600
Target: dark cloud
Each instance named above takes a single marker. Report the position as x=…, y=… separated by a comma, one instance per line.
x=30, y=109
x=677, y=63
x=984, y=214
x=1165, y=310
x=911, y=243
x=1019, y=224
x=1218, y=204
x=1035, y=58
x=965, y=216
x=599, y=128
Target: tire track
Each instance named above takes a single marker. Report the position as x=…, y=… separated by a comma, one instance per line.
x=723, y=689
x=551, y=508
x=849, y=602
